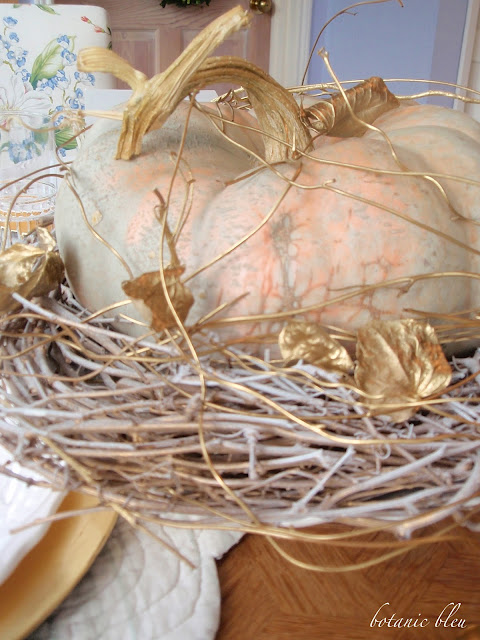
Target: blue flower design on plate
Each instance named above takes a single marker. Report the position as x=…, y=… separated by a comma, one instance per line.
x=22, y=149
x=61, y=79
x=64, y=40
x=85, y=78
x=17, y=56
x=68, y=56
x=74, y=103
x=20, y=152
x=8, y=21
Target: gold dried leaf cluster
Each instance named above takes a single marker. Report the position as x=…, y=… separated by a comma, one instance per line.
x=31, y=270
x=148, y=294
x=399, y=363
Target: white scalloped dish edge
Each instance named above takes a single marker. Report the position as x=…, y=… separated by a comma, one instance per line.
x=21, y=504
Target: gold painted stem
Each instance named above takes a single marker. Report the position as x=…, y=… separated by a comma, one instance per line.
x=154, y=100
x=275, y=108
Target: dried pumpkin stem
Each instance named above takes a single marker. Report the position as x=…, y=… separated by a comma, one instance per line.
x=275, y=108
x=154, y=100
x=141, y=112
x=94, y=58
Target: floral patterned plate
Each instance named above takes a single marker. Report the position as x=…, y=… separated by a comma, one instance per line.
x=39, y=45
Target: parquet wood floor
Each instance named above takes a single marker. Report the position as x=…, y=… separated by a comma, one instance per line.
x=266, y=598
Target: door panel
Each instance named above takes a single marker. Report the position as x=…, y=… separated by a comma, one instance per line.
x=151, y=37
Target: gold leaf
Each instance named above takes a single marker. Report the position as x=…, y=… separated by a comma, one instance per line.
x=148, y=295
x=368, y=101
x=400, y=361
x=30, y=270
x=310, y=342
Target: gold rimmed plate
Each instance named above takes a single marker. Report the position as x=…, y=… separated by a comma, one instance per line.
x=48, y=573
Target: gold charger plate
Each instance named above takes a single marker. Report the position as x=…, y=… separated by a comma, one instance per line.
x=53, y=567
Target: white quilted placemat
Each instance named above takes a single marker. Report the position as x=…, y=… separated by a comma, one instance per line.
x=138, y=590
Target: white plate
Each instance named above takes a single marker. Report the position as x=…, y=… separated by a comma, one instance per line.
x=21, y=504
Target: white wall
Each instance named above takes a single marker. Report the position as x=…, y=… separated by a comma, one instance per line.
x=472, y=59
x=422, y=40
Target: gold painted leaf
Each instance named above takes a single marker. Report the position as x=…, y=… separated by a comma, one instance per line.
x=368, y=101
x=400, y=362
x=148, y=295
x=310, y=342
x=30, y=270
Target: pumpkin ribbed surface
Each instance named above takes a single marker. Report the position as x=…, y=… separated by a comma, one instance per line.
x=320, y=242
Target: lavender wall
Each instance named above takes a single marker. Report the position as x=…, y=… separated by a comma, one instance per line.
x=421, y=40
